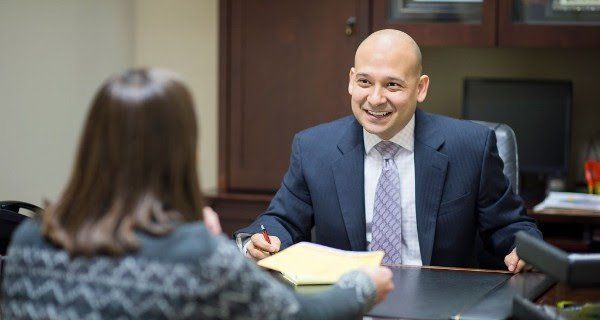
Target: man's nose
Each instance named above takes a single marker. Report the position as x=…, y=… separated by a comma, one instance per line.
x=376, y=97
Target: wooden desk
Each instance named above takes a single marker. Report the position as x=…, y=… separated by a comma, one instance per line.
x=562, y=216
x=554, y=294
x=442, y=293
x=551, y=296
x=572, y=231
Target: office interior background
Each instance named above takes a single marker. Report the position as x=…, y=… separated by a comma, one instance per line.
x=55, y=54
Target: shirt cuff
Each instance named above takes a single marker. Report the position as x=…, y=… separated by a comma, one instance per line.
x=242, y=240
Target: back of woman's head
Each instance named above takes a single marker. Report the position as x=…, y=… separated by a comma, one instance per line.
x=135, y=167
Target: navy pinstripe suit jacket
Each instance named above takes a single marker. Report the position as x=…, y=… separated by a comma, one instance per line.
x=459, y=189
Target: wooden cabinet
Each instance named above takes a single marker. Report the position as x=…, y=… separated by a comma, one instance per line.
x=284, y=68
x=238, y=210
x=489, y=23
x=547, y=23
x=451, y=23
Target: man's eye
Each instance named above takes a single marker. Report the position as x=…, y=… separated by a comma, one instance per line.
x=363, y=81
x=393, y=85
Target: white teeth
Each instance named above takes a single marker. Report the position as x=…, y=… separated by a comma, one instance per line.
x=378, y=114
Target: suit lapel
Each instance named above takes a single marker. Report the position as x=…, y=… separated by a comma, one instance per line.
x=430, y=174
x=348, y=174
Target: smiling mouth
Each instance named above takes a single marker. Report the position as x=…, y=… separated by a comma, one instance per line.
x=378, y=115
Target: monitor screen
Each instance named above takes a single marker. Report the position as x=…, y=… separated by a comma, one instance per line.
x=539, y=111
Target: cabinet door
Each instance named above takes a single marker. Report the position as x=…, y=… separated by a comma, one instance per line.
x=549, y=23
x=470, y=23
x=284, y=68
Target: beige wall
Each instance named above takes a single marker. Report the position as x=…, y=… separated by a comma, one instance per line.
x=53, y=56
x=182, y=36
x=447, y=68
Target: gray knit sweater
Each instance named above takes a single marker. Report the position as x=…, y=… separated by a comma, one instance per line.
x=188, y=274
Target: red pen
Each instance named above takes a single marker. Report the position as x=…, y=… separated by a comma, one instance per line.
x=265, y=233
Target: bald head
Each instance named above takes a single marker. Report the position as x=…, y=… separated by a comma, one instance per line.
x=386, y=82
x=391, y=42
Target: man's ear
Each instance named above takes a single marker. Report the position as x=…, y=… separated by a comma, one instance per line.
x=351, y=80
x=422, y=88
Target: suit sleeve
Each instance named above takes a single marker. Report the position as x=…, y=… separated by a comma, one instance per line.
x=290, y=214
x=501, y=212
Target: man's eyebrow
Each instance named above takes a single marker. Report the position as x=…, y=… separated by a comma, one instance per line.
x=402, y=82
x=394, y=79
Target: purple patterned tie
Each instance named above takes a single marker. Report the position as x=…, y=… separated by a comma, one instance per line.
x=386, y=228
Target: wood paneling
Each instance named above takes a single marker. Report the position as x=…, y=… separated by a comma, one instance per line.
x=288, y=70
x=224, y=60
x=237, y=211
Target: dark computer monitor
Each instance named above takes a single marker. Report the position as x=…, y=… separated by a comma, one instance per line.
x=539, y=111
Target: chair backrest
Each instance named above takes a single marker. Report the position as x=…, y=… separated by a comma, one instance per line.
x=1, y=277
x=11, y=216
x=508, y=152
x=507, y=149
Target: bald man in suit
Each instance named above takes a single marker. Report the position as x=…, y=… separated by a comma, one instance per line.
x=393, y=177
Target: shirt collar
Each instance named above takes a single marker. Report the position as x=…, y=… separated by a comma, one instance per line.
x=404, y=138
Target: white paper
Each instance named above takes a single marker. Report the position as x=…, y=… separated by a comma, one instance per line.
x=570, y=200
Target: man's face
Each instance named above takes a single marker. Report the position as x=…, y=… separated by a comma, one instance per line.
x=385, y=87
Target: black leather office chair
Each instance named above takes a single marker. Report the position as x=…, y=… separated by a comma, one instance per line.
x=1, y=274
x=11, y=215
x=508, y=152
x=507, y=149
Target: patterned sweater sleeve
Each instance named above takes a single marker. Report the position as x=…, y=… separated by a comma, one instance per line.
x=236, y=288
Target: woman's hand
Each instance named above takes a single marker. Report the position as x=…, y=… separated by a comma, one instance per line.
x=211, y=221
x=382, y=278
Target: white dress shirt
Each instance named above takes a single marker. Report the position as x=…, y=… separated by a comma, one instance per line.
x=405, y=162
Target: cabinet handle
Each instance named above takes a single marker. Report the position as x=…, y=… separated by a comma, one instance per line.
x=350, y=23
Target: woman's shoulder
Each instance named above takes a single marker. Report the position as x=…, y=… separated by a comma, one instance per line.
x=28, y=234
x=187, y=242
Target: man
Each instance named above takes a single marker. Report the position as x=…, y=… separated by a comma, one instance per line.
x=416, y=185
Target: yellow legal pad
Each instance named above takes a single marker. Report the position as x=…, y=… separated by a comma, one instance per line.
x=309, y=263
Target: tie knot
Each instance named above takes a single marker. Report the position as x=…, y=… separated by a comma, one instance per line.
x=387, y=149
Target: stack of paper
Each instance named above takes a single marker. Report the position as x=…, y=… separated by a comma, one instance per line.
x=570, y=201
x=309, y=263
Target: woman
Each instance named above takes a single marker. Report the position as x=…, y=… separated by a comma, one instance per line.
x=124, y=240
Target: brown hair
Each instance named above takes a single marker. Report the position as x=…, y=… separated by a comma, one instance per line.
x=135, y=168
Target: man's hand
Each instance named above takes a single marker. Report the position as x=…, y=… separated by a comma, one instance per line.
x=259, y=248
x=513, y=263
